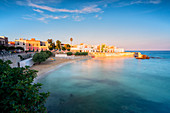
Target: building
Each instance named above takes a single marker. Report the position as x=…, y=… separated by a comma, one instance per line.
x=11, y=43
x=32, y=45
x=119, y=50
x=95, y=48
x=3, y=40
x=83, y=48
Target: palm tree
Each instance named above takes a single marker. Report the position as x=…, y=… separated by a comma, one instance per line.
x=58, y=44
x=71, y=39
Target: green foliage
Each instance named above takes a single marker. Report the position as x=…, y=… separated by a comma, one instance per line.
x=18, y=93
x=50, y=41
x=3, y=47
x=68, y=49
x=69, y=53
x=50, y=48
x=77, y=53
x=21, y=48
x=48, y=53
x=81, y=53
x=67, y=46
x=40, y=57
x=58, y=44
x=11, y=48
x=63, y=48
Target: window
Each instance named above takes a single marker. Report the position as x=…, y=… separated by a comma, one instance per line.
x=23, y=43
x=29, y=44
x=37, y=44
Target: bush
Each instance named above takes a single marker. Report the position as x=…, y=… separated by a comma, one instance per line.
x=11, y=48
x=68, y=49
x=40, y=57
x=20, y=48
x=69, y=53
x=18, y=93
x=77, y=53
x=49, y=53
x=3, y=47
x=81, y=53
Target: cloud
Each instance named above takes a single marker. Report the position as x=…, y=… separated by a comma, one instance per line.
x=97, y=16
x=77, y=18
x=155, y=1
x=122, y=4
x=88, y=9
x=39, y=11
x=45, y=17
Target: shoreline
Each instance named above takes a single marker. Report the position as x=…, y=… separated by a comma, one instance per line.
x=49, y=65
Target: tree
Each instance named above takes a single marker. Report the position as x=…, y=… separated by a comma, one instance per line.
x=18, y=92
x=2, y=47
x=50, y=41
x=67, y=46
x=20, y=48
x=63, y=48
x=39, y=57
x=11, y=48
x=58, y=44
x=52, y=45
x=71, y=39
x=50, y=48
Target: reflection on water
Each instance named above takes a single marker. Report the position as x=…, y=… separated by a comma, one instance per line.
x=109, y=85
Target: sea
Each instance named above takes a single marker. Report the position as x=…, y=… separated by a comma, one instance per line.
x=110, y=85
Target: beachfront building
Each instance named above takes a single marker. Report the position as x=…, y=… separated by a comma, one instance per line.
x=32, y=45
x=103, y=48
x=83, y=48
x=11, y=43
x=119, y=50
x=3, y=41
x=111, y=49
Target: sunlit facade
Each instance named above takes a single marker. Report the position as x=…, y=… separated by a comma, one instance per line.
x=95, y=48
x=3, y=40
x=32, y=45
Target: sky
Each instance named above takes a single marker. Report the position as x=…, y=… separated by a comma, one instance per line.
x=129, y=24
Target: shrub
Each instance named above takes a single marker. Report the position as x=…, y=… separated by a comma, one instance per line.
x=81, y=53
x=69, y=53
x=39, y=57
x=68, y=49
x=85, y=53
x=18, y=92
x=3, y=47
x=49, y=53
x=77, y=53
x=11, y=48
x=21, y=48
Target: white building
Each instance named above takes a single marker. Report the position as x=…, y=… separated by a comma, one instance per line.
x=119, y=50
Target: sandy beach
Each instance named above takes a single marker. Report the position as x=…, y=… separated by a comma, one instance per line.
x=51, y=64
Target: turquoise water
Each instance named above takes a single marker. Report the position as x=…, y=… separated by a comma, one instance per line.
x=110, y=85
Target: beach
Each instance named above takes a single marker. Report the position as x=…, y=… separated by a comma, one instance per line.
x=53, y=62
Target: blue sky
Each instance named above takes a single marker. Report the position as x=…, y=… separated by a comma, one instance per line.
x=132, y=24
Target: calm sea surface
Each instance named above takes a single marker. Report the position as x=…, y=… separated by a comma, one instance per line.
x=110, y=85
